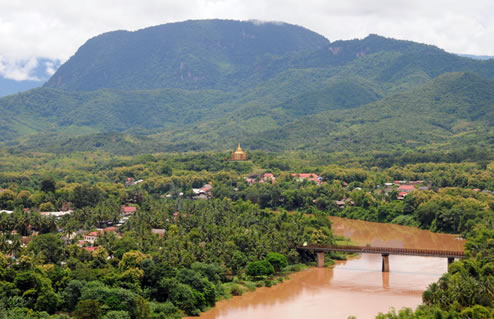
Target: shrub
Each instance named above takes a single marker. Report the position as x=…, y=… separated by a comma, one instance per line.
x=278, y=261
x=259, y=268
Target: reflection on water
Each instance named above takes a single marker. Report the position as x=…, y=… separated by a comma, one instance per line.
x=354, y=287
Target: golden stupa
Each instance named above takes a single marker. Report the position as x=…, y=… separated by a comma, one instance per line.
x=239, y=155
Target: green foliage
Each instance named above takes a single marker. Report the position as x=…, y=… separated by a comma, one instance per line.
x=272, y=86
x=48, y=185
x=260, y=268
x=49, y=246
x=87, y=309
x=207, y=248
x=116, y=314
x=278, y=261
x=86, y=195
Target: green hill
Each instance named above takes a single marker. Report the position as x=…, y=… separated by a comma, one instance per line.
x=200, y=85
x=454, y=109
x=210, y=54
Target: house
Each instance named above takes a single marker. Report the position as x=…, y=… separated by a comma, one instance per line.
x=267, y=177
x=91, y=237
x=201, y=196
x=406, y=188
x=402, y=195
x=130, y=181
x=67, y=206
x=128, y=210
x=203, y=192
x=90, y=249
x=340, y=203
x=56, y=214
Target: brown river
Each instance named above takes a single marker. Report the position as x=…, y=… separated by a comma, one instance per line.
x=355, y=287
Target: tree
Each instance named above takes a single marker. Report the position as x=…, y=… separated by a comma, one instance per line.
x=46, y=207
x=259, y=268
x=132, y=259
x=116, y=314
x=88, y=309
x=71, y=294
x=48, y=185
x=49, y=245
x=277, y=260
x=47, y=301
x=86, y=195
x=7, y=198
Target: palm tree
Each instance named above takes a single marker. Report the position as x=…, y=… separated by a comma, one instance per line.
x=4, y=243
x=15, y=245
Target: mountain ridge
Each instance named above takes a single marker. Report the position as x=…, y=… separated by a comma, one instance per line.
x=266, y=85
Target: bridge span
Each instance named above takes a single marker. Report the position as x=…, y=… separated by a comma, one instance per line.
x=384, y=251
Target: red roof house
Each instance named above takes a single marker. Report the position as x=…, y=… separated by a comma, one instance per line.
x=127, y=210
x=406, y=188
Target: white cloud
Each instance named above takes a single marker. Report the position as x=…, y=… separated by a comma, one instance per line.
x=56, y=28
x=18, y=70
x=50, y=68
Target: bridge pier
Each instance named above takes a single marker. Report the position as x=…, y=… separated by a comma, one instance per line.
x=450, y=260
x=320, y=259
x=385, y=280
x=385, y=267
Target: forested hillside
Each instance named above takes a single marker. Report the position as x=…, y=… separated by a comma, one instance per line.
x=205, y=85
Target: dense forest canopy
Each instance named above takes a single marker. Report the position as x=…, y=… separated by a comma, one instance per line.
x=93, y=235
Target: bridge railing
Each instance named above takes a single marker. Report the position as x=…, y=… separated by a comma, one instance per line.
x=386, y=250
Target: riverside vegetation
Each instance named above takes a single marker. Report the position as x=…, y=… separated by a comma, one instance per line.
x=241, y=238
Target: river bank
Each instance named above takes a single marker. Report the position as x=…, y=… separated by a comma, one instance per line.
x=355, y=287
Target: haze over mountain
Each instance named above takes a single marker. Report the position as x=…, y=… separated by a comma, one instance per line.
x=202, y=85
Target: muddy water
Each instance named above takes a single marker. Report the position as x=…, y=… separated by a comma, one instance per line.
x=355, y=287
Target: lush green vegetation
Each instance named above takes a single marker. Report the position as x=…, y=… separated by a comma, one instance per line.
x=199, y=85
x=242, y=237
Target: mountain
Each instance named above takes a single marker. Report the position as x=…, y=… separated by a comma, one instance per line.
x=203, y=85
x=206, y=54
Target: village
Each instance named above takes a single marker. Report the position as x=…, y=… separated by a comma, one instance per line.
x=88, y=239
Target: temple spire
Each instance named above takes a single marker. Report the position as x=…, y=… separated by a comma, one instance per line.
x=239, y=155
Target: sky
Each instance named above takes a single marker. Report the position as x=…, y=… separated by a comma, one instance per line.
x=55, y=29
